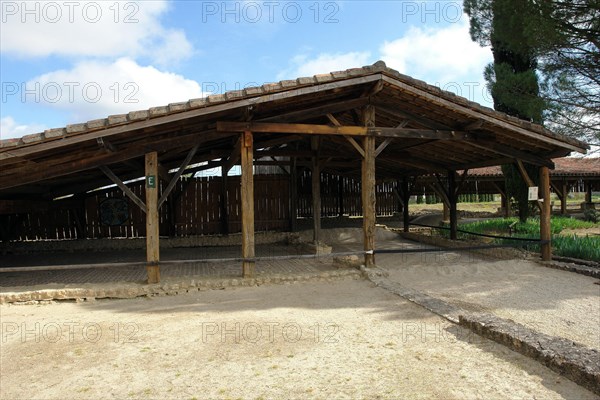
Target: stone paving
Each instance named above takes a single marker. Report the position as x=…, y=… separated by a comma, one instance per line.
x=225, y=269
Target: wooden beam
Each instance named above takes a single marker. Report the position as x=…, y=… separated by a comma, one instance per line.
x=373, y=90
x=293, y=194
x=471, y=126
x=182, y=116
x=177, y=175
x=440, y=191
x=128, y=192
x=498, y=188
x=275, y=127
x=247, y=200
x=406, y=189
x=152, y=219
x=439, y=101
x=333, y=120
x=368, y=188
x=524, y=173
x=316, y=189
x=235, y=155
x=564, y=197
x=315, y=112
x=409, y=133
x=382, y=146
x=315, y=129
x=102, y=158
x=224, y=201
x=453, y=211
x=400, y=114
x=355, y=145
x=510, y=152
x=545, y=211
x=163, y=173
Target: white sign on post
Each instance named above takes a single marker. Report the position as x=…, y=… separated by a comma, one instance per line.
x=533, y=193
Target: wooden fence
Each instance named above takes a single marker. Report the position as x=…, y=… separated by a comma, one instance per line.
x=195, y=207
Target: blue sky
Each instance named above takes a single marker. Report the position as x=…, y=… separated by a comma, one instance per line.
x=71, y=61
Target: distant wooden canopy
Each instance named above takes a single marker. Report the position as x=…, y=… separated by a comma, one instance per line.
x=371, y=122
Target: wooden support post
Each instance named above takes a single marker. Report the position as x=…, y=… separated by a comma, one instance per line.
x=247, y=198
x=406, y=200
x=505, y=205
x=588, y=192
x=452, y=197
x=152, y=219
x=563, y=200
x=224, y=201
x=545, y=213
x=316, y=190
x=445, y=212
x=293, y=195
x=368, y=188
x=340, y=196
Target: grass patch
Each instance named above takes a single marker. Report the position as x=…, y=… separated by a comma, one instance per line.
x=583, y=247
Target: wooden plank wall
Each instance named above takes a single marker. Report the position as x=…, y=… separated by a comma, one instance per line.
x=386, y=205
x=195, y=208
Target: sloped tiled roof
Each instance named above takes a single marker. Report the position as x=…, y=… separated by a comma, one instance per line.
x=269, y=89
x=567, y=166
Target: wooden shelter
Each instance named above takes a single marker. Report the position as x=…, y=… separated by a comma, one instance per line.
x=578, y=174
x=370, y=122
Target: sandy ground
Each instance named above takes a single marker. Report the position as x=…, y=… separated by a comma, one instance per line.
x=551, y=301
x=315, y=340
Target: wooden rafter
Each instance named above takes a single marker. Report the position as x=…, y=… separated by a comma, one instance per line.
x=508, y=151
x=433, y=99
x=128, y=192
x=314, y=129
x=177, y=175
x=357, y=146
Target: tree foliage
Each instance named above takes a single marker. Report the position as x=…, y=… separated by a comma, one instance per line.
x=512, y=77
x=558, y=43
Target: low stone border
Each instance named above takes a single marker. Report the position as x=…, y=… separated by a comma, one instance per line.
x=437, y=306
x=572, y=360
x=129, y=290
x=573, y=267
x=503, y=253
x=589, y=263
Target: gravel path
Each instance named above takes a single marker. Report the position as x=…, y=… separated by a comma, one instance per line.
x=316, y=340
x=554, y=302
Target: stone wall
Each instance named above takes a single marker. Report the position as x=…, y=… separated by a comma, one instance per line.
x=576, y=362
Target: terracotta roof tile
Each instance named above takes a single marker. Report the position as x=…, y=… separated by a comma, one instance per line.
x=378, y=67
x=567, y=166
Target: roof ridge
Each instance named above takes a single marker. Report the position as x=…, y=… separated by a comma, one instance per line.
x=265, y=89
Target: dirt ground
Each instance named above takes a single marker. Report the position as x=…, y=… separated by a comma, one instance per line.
x=313, y=340
x=554, y=302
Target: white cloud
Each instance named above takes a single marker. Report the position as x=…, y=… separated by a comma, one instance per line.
x=10, y=129
x=301, y=65
x=445, y=56
x=91, y=29
x=95, y=89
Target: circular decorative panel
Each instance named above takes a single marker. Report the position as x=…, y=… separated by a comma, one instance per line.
x=114, y=212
